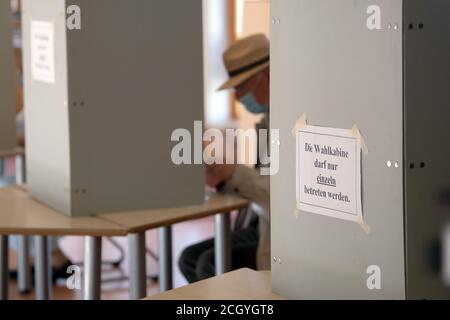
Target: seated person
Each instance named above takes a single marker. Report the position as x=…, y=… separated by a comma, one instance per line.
x=247, y=62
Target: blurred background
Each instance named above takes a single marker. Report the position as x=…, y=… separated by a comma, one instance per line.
x=224, y=22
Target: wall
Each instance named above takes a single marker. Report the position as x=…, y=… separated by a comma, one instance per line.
x=7, y=99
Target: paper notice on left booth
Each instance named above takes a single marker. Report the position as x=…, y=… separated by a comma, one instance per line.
x=329, y=173
x=43, y=51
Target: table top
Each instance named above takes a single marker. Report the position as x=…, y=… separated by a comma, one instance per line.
x=18, y=151
x=243, y=284
x=22, y=215
x=140, y=221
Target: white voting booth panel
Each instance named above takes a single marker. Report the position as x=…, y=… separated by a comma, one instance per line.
x=355, y=204
x=107, y=82
x=7, y=90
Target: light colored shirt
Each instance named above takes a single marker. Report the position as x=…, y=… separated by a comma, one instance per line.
x=250, y=184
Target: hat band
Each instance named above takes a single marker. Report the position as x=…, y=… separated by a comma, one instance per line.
x=249, y=67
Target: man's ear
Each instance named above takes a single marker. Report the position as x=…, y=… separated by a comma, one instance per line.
x=267, y=72
x=266, y=76
x=267, y=84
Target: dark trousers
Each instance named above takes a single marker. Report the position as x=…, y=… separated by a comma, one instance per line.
x=197, y=261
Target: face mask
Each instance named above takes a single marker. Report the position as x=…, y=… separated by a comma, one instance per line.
x=250, y=103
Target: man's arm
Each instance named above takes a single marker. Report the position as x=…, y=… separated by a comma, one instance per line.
x=250, y=184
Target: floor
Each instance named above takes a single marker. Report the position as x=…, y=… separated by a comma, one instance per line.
x=183, y=235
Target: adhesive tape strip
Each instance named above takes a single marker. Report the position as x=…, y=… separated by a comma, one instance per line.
x=364, y=225
x=297, y=211
x=356, y=133
x=301, y=123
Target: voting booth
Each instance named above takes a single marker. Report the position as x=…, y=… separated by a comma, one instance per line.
x=106, y=84
x=360, y=93
x=7, y=90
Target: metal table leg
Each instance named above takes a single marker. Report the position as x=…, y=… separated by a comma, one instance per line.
x=24, y=269
x=137, y=266
x=43, y=268
x=92, y=268
x=165, y=259
x=222, y=244
x=4, y=267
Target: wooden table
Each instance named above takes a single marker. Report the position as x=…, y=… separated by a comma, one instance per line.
x=140, y=221
x=21, y=215
x=243, y=284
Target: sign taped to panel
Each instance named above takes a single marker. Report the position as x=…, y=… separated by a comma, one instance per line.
x=43, y=51
x=329, y=172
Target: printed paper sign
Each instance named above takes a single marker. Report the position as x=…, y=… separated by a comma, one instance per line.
x=329, y=173
x=43, y=51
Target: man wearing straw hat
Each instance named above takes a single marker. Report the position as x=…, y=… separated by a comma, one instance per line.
x=247, y=62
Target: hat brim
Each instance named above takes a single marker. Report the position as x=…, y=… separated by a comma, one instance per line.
x=239, y=79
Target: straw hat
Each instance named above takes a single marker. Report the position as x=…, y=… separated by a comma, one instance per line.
x=245, y=58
